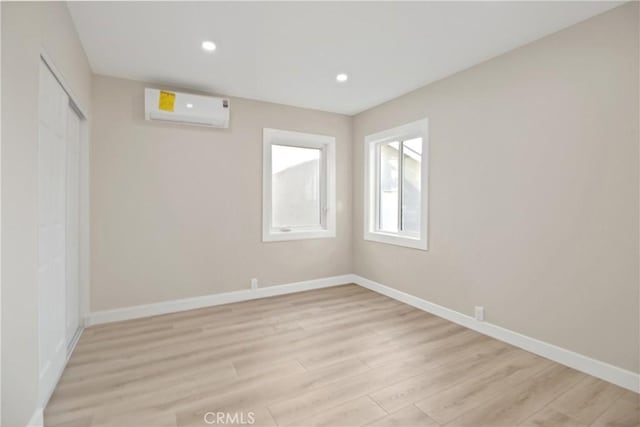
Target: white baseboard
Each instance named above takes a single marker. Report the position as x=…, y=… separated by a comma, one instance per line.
x=37, y=419
x=596, y=368
x=173, y=306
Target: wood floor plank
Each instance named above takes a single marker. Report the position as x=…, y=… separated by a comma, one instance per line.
x=499, y=379
x=157, y=418
x=522, y=401
x=631, y=397
x=292, y=410
x=550, y=417
x=286, y=367
x=622, y=413
x=587, y=400
x=356, y=412
x=82, y=421
x=409, y=416
x=435, y=380
x=457, y=343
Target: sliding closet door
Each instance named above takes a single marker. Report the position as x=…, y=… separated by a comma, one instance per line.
x=73, y=226
x=52, y=218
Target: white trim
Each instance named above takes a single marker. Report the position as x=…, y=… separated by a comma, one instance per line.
x=325, y=143
x=299, y=234
x=416, y=129
x=173, y=306
x=37, y=419
x=396, y=239
x=613, y=374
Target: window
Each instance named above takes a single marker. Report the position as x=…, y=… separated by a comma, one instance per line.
x=298, y=186
x=396, y=167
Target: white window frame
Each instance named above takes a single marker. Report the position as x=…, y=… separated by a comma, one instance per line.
x=417, y=129
x=327, y=145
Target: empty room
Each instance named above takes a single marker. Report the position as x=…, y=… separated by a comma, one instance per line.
x=310, y=213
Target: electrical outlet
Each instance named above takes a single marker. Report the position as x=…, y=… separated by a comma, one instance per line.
x=479, y=313
x=254, y=284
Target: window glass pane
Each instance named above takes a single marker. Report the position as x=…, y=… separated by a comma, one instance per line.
x=388, y=190
x=411, y=167
x=295, y=186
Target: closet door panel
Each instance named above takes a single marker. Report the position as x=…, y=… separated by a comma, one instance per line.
x=52, y=159
x=73, y=226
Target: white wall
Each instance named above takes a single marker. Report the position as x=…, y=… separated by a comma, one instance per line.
x=27, y=30
x=176, y=211
x=533, y=190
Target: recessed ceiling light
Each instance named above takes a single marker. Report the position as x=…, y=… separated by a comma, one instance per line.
x=209, y=46
x=189, y=105
x=342, y=77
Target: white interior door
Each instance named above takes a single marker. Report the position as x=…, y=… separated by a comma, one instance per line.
x=73, y=226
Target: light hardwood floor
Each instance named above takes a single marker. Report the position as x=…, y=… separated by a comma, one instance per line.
x=343, y=356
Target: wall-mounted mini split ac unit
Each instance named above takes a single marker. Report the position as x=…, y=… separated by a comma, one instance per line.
x=186, y=108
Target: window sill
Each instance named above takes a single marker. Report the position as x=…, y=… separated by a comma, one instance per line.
x=282, y=236
x=397, y=240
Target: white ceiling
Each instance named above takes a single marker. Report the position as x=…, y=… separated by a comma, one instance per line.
x=290, y=52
